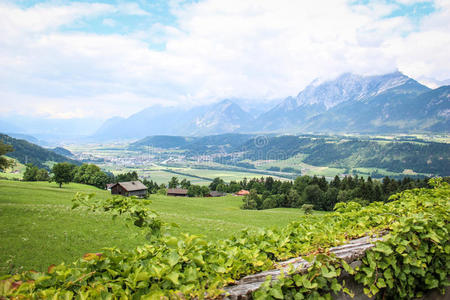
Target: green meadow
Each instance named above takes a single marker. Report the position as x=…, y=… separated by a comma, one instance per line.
x=38, y=227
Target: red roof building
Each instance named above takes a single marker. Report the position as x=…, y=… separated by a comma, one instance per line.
x=242, y=193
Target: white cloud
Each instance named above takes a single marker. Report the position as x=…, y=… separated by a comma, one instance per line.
x=131, y=8
x=244, y=49
x=109, y=22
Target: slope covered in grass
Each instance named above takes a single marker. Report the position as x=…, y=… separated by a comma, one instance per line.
x=39, y=228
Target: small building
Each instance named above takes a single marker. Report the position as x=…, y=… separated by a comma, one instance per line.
x=177, y=192
x=215, y=194
x=109, y=186
x=242, y=193
x=129, y=188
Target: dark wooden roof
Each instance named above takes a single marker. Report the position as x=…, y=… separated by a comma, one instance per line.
x=131, y=186
x=177, y=191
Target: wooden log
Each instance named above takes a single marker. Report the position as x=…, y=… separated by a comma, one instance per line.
x=351, y=252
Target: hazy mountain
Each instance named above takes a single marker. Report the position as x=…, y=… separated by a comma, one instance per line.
x=223, y=117
x=349, y=103
x=53, y=130
x=391, y=110
x=150, y=121
x=318, y=98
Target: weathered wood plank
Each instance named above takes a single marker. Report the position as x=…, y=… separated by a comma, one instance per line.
x=351, y=252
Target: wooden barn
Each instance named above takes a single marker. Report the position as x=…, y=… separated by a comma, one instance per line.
x=129, y=188
x=177, y=192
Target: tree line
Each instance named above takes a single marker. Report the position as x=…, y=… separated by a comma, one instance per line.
x=268, y=193
x=63, y=173
x=264, y=192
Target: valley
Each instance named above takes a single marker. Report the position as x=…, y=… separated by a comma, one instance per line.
x=234, y=156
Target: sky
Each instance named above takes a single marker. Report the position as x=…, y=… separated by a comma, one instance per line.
x=98, y=59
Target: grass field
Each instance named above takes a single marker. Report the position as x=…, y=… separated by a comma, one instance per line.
x=38, y=227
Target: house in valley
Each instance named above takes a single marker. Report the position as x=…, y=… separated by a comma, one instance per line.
x=129, y=188
x=242, y=193
x=177, y=192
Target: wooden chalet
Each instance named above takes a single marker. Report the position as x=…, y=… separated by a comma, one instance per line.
x=129, y=188
x=177, y=192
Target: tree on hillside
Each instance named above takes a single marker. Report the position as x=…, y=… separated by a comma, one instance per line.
x=42, y=175
x=312, y=194
x=30, y=173
x=216, y=181
x=173, y=183
x=185, y=184
x=130, y=176
x=90, y=174
x=33, y=173
x=63, y=173
x=251, y=200
x=4, y=162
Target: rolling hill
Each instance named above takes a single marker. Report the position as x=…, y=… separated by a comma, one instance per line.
x=26, y=152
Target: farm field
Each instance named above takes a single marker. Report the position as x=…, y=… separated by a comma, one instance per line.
x=162, y=174
x=38, y=227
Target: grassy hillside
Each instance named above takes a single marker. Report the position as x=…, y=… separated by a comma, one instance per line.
x=38, y=227
x=15, y=172
x=26, y=152
x=337, y=152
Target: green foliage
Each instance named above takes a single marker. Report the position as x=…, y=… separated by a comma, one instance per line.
x=332, y=151
x=415, y=251
x=411, y=260
x=129, y=176
x=63, y=173
x=33, y=173
x=90, y=174
x=197, y=191
x=37, y=215
x=4, y=162
x=26, y=152
x=173, y=183
x=135, y=209
x=320, y=281
x=217, y=181
x=251, y=200
x=415, y=256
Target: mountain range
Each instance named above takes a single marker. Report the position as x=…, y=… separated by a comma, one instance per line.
x=386, y=103
x=350, y=103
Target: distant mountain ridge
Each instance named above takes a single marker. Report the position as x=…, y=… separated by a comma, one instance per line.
x=386, y=103
x=224, y=117
x=318, y=99
x=26, y=152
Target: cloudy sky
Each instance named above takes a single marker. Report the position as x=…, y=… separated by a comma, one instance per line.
x=97, y=59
